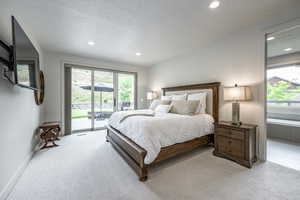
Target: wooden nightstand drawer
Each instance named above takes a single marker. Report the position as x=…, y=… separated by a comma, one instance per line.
x=230, y=133
x=231, y=147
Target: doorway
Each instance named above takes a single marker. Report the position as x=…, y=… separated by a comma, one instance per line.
x=283, y=97
x=93, y=94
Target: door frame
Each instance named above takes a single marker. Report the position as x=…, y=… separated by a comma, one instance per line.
x=93, y=68
x=270, y=30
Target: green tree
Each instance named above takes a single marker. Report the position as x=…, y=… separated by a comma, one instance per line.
x=279, y=92
x=126, y=89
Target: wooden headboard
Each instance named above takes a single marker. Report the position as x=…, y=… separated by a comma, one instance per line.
x=215, y=94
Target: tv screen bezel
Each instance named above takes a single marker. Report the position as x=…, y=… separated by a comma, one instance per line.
x=15, y=60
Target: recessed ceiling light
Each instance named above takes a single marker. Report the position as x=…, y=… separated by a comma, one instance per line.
x=91, y=43
x=138, y=54
x=288, y=49
x=271, y=38
x=214, y=4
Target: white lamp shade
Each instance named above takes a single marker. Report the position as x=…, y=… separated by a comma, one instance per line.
x=238, y=93
x=151, y=95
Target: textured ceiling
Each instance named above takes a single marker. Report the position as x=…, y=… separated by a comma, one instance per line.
x=159, y=29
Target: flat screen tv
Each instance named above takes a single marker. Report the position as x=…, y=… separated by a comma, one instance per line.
x=26, y=58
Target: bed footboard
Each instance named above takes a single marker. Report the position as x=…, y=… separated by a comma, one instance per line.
x=133, y=154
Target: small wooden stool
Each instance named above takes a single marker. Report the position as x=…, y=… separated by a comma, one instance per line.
x=49, y=133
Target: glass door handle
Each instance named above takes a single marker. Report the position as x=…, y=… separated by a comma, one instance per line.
x=115, y=102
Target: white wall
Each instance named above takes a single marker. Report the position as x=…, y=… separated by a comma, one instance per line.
x=54, y=80
x=19, y=118
x=238, y=59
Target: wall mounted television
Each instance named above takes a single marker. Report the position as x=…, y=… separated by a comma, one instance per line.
x=26, y=64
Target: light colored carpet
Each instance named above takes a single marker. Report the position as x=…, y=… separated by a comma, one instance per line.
x=86, y=167
x=284, y=153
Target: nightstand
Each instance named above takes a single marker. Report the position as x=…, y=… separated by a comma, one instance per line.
x=236, y=143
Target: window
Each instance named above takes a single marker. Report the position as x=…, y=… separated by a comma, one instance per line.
x=126, y=91
x=283, y=92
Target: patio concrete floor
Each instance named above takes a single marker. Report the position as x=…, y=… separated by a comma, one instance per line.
x=85, y=123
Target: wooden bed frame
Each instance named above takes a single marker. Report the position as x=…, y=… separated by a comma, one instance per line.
x=134, y=154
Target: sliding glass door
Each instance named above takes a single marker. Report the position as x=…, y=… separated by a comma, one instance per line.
x=103, y=97
x=81, y=105
x=92, y=95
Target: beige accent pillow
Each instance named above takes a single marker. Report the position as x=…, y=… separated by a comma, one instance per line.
x=202, y=98
x=157, y=102
x=184, y=107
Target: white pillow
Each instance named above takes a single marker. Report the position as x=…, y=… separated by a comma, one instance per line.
x=163, y=108
x=157, y=102
x=179, y=97
x=166, y=98
x=200, y=97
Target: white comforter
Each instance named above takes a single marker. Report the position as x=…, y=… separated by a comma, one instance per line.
x=153, y=133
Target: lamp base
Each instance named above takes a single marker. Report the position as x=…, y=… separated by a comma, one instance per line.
x=236, y=114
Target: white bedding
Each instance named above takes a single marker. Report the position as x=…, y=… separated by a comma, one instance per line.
x=164, y=129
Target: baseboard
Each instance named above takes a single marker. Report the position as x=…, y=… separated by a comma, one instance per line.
x=14, y=179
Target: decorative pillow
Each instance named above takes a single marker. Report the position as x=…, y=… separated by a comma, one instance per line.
x=184, y=107
x=179, y=97
x=166, y=98
x=200, y=97
x=163, y=108
x=157, y=102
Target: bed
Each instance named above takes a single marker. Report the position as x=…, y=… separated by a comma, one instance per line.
x=171, y=134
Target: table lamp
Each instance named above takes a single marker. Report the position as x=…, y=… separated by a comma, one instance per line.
x=151, y=95
x=236, y=94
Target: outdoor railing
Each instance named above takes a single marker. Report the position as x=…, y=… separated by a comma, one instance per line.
x=289, y=103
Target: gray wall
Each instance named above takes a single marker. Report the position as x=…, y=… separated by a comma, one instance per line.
x=19, y=118
x=287, y=59
x=285, y=132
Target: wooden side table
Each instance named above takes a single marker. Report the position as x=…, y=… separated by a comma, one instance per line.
x=237, y=143
x=49, y=132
